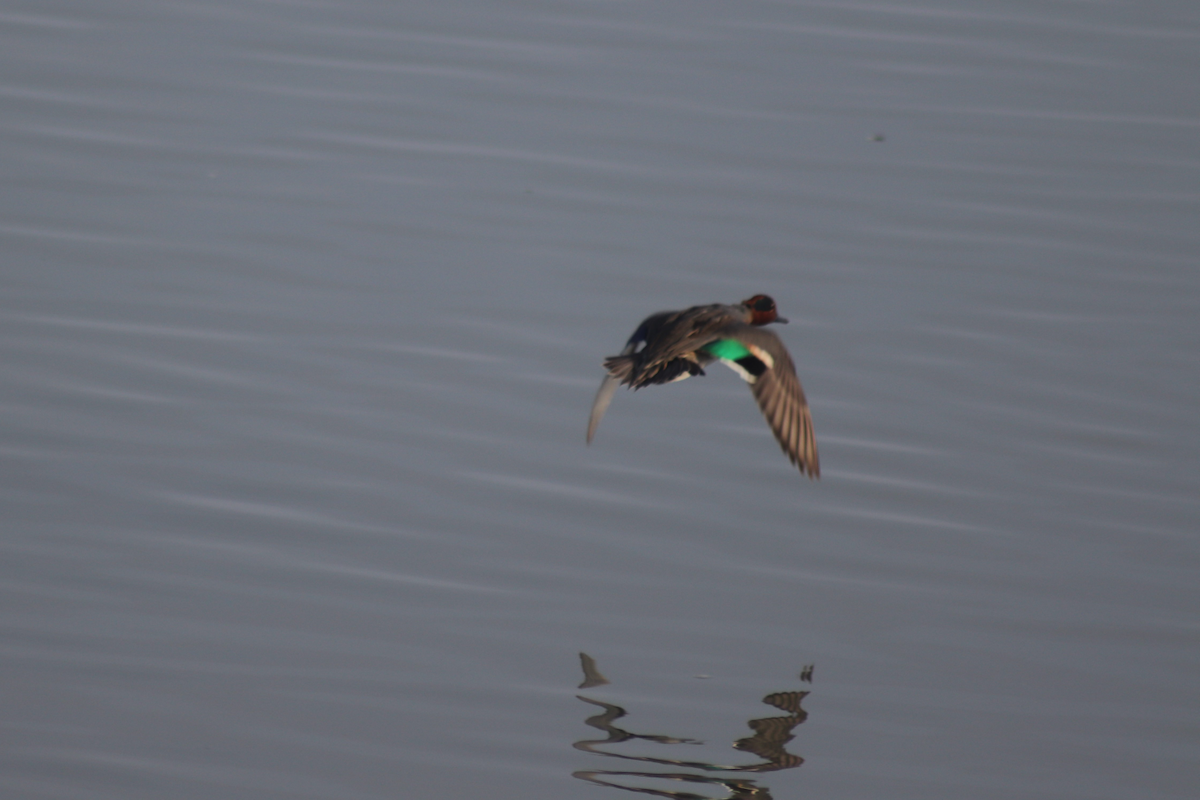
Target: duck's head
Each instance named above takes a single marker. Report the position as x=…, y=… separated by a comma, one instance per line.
x=762, y=310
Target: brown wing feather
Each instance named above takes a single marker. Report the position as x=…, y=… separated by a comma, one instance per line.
x=782, y=401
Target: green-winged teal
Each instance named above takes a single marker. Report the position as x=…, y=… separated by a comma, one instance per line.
x=678, y=344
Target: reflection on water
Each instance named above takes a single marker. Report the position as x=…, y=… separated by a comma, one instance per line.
x=771, y=734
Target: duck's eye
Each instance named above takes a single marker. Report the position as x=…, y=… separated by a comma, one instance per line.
x=764, y=304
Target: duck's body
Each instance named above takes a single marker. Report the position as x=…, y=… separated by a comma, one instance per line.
x=678, y=344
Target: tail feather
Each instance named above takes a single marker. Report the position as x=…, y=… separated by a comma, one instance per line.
x=621, y=367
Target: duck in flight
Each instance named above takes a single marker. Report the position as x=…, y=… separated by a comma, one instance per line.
x=673, y=345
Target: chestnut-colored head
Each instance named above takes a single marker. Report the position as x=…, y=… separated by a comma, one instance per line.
x=762, y=310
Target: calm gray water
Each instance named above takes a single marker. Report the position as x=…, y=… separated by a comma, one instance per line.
x=303, y=306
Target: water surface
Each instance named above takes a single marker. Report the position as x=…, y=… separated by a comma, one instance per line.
x=302, y=311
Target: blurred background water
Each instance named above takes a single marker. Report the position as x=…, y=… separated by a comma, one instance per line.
x=302, y=309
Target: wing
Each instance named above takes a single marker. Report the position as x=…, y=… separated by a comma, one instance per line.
x=768, y=369
x=604, y=396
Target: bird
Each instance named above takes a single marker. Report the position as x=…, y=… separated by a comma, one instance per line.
x=674, y=345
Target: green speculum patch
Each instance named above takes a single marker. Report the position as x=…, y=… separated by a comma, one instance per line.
x=728, y=349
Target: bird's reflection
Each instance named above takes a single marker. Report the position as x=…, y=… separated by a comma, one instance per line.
x=770, y=736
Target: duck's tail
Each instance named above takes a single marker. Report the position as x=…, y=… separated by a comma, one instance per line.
x=621, y=368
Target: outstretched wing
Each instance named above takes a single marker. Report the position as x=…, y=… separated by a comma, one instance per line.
x=764, y=363
x=782, y=402
x=604, y=396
